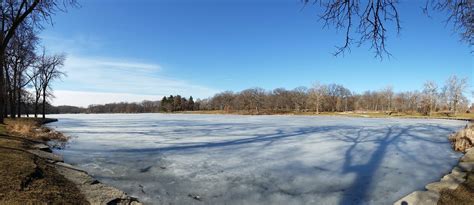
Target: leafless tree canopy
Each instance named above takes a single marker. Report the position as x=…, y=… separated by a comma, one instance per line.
x=19, y=21
x=49, y=70
x=337, y=98
x=29, y=13
x=369, y=21
x=454, y=91
x=20, y=55
x=448, y=101
x=460, y=14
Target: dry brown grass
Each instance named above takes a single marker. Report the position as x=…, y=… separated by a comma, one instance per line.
x=32, y=129
x=23, y=127
x=464, y=194
x=28, y=179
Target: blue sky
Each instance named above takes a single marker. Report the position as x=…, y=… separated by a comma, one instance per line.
x=123, y=50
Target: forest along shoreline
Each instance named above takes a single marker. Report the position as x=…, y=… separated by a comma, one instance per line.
x=30, y=173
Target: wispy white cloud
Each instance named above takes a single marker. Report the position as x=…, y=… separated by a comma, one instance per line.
x=142, y=66
x=101, y=79
x=110, y=64
x=84, y=99
x=92, y=80
x=81, y=43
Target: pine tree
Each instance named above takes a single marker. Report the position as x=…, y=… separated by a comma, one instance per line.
x=190, y=103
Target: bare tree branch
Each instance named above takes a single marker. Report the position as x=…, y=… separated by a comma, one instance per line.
x=459, y=14
x=370, y=21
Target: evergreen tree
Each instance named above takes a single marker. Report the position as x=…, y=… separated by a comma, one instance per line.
x=190, y=103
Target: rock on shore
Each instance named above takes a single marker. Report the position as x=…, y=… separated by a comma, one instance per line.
x=94, y=191
x=450, y=181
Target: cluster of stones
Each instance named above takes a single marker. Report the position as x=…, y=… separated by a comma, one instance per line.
x=449, y=181
x=463, y=139
x=94, y=191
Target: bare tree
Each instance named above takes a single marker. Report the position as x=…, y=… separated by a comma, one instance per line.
x=281, y=99
x=223, y=101
x=299, y=98
x=252, y=99
x=370, y=20
x=430, y=92
x=38, y=88
x=15, y=13
x=319, y=98
x=28, y=100
x=459, y=13
x=49, y=67
x=20, y=56
x=337, y=97
x=387, y=93
x=454, y=92
x=316, y=95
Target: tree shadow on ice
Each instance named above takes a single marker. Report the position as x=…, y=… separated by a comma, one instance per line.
x=260, y=139
x=366, y=167
x=364, y=172
x=372, y=143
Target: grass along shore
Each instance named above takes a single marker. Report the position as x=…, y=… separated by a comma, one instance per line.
x=26, y=178
x=31, y=174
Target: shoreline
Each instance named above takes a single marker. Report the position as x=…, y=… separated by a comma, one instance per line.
x=355, y=114
x=303, y=114
x=93, y=190
x=452, y=185
x=26, y=174
x=30, y=173
x=450, y=182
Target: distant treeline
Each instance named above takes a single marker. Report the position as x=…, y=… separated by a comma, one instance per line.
x=166, y=104
x=450, y=98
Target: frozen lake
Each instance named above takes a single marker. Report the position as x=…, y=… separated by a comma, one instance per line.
x=231, y=159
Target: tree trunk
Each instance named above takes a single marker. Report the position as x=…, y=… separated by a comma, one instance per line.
x=18, y=112
x=13, y=89
x=12, y=104
x=36, y=107
x=431, y=107
x=318, y=102
x=18, y=96
x=317, y=108
x=2, y=85
x=454, y=104
x=44, y=103
x=27, y=110
x=345, y=105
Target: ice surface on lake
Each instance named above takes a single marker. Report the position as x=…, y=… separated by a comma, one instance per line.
x=231, y=159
